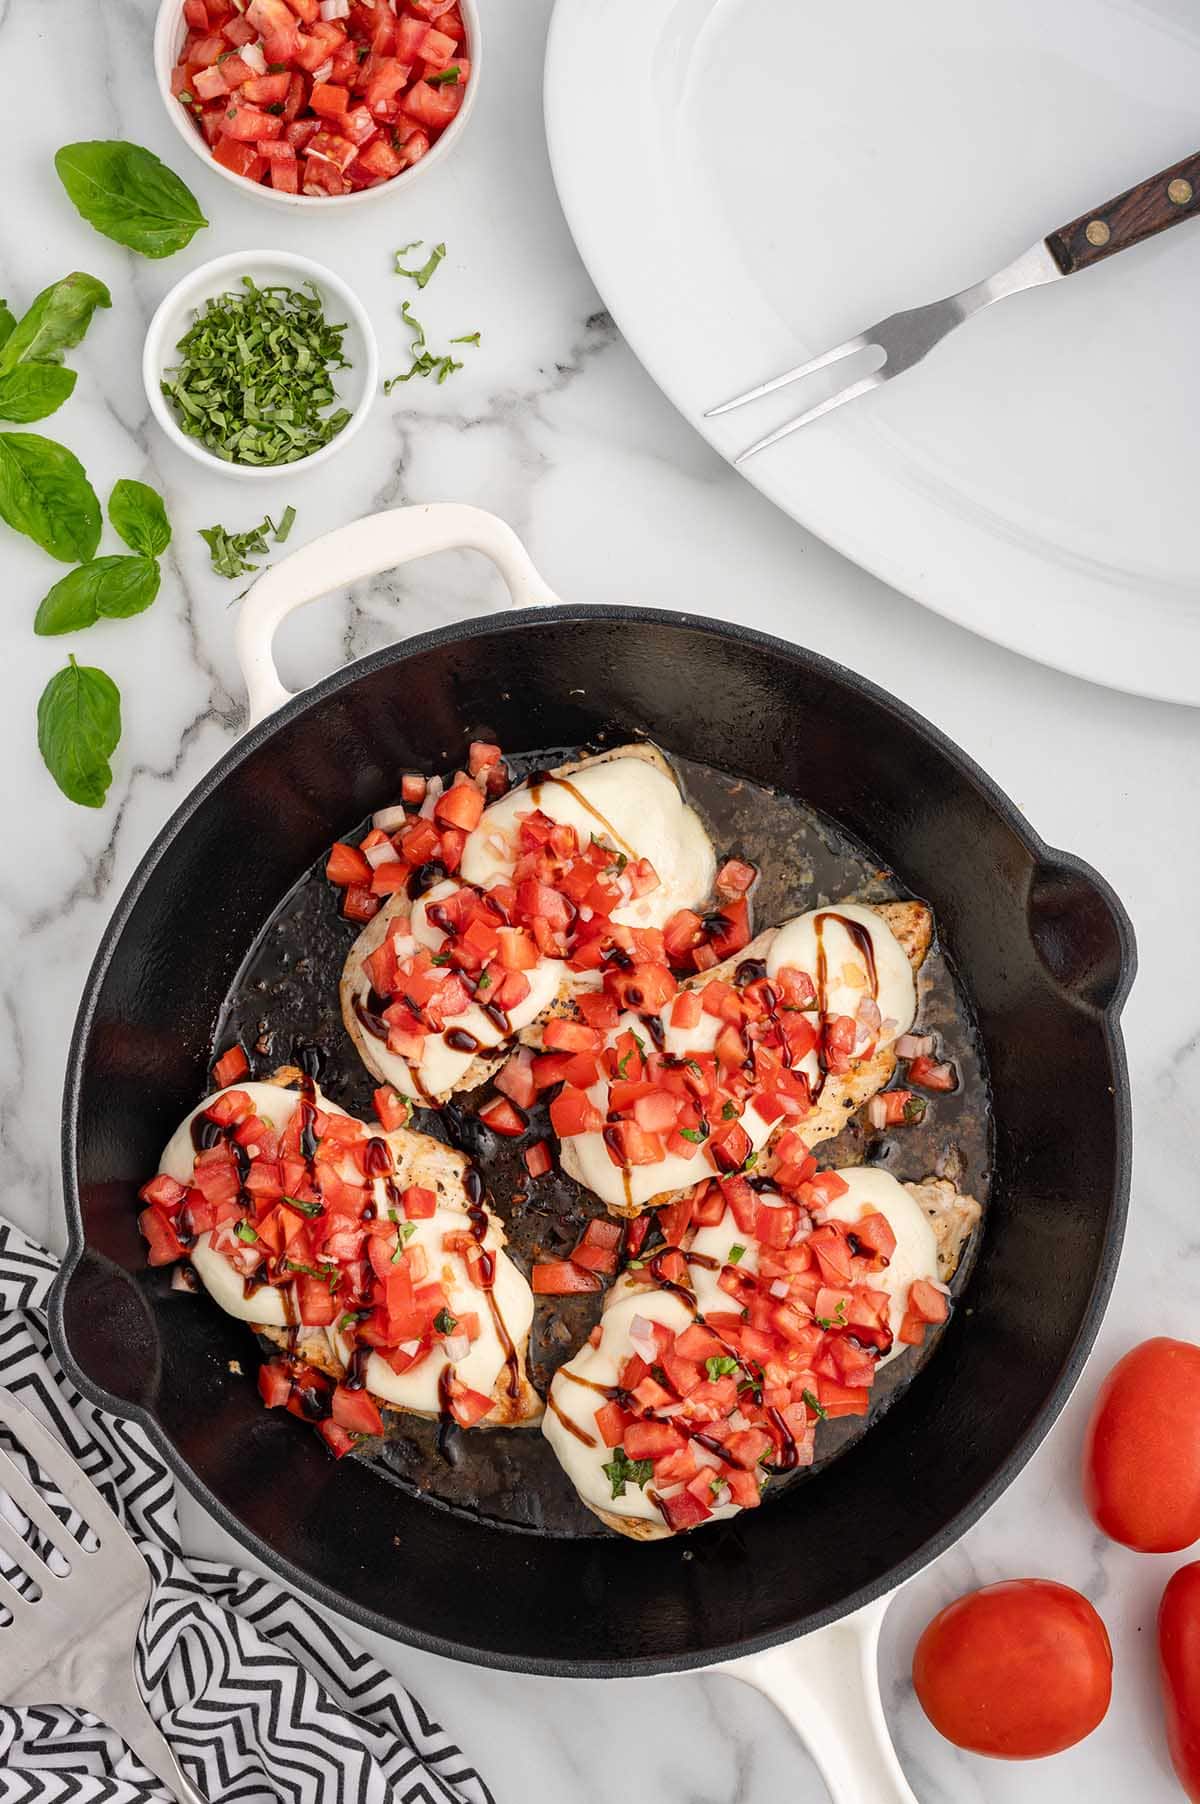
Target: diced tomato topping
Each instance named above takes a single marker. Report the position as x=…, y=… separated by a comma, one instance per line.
x=684, y=1510
x=346, y=865
x=735, y=877
x=158, y=1230
x=650, y=1440
x=572, y=1112
x=599, y=1247
x=503, y=1117
x=232, y=1065
x=932, y=1075
x=373, y=68
x=419, y=1203
x=355, y=1411
x=561, y=1278
x=538, y=1160
x=391, y=1109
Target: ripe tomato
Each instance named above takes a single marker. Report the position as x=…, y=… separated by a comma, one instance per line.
x=1179, y=1664
x=1141, y=1458
x=1017, y=1670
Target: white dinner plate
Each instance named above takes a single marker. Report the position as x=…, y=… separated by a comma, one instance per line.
x=750, y=181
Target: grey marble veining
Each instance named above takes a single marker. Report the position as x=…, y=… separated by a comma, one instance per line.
x=554, y=426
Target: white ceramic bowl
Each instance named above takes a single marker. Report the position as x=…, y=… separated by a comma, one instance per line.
x=356, y=386
x=169, y=34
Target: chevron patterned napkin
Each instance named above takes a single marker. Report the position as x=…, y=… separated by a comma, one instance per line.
x=262, y=1700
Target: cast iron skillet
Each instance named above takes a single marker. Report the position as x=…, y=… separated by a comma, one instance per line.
x=1040, y=941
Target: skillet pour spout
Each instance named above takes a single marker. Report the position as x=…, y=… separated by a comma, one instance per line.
x=1039, y=942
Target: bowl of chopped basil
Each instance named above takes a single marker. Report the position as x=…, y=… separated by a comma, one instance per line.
x=260, y=360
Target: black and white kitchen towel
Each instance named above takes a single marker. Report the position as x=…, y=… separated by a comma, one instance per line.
x=259, y=1695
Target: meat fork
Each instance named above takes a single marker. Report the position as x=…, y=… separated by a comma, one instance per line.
x=74, y=1644
x=905, y=338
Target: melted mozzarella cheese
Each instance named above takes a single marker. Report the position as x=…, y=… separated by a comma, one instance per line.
x=583, y=1460
x=483, y=1368
x=626, y=801
x=443, y=1066
x=847, y=978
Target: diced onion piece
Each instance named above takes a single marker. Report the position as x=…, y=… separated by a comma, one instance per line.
x=914, y=1046
x=457, y=1346
x=377, y=855
x=408, y=1347
x=669, y=1409
x=390, y=820
x=325, y=70
x=433, y=790
x=704, y=1456
x=722, y=1497
x=779, y=1287
x=877, y=1112
x=335, y=9
x=254, y=58
x=869, y=1015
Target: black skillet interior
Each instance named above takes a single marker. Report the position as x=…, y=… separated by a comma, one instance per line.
x=1047, y=955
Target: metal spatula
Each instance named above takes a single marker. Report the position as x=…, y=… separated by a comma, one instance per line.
x=74, y=1644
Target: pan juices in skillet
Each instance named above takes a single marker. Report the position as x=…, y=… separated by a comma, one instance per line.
x=368, y=1258
x=430, y=1033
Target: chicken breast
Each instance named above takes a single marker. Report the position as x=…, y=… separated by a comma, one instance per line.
x=630, y=799
x=493, y=1364
x=591, y=1376
x=877, y=947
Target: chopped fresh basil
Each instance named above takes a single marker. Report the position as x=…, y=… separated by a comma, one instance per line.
x=245, y=1232
x=328, y=1274
x=736, y=1253
x=444, y=1322
x=444, y=78
x=423, y=275
x=719, y=1365
x=467, y=338
x=751, y=1162
x=230, y=551
x=729, y=1112
x=255, y=375
x=814, y=1405
x=634, y=1265
x=620, y=1471
x=696, y=1135
x=404, y=1233
x=914, y=1109
x=440, y=958
x=485, y=981
x=309, y=1209
x=693, y=1066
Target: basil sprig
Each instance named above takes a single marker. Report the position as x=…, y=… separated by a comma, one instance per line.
x=45, y=493
x=79, y=725
x=130, y=196
x=109, y=588
x=138, y=514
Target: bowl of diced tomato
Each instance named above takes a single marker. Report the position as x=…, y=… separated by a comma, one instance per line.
x=311, y=100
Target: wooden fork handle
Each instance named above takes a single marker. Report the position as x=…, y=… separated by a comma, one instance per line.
x=1139, y=213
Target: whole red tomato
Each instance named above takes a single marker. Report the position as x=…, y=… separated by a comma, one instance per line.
x=1141, y=1458
x=1017, y=1670
x=1179, y=1662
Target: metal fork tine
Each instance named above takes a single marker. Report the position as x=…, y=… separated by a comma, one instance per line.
x=21, y=1553
x=875, y=380
x=859, y=342
x=72, y=1481
x=32, y=1504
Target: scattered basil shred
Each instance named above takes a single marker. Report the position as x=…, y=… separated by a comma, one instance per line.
x=127, y=193
x=423, y=275
x=229, y=552
x=45, y=493
x=620, y=1470
x=79, y=726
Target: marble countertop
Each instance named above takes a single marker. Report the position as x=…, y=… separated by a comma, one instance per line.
x=553, y=425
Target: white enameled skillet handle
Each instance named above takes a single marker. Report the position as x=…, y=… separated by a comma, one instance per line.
x=365, y=548
x=827, y=1685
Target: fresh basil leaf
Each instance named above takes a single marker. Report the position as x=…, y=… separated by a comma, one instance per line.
x=34, y=390
x=45, y=493
x=8, y=322
x=55, y=322
x=130, y=196
x=137, y=512
x=79, y=726
x=108, y=587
